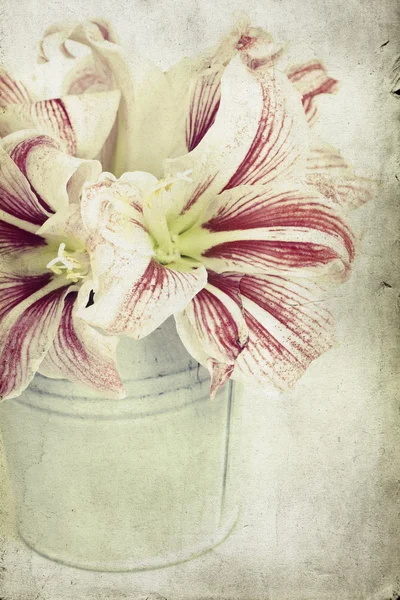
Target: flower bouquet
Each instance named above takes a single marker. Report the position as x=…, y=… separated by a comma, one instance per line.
x=129, y=195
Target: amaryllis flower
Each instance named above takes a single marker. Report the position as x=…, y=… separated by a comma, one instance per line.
x=44, y=265
x=232, y=239
x=67, y=95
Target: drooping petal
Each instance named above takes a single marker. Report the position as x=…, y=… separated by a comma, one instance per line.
x=264, y=229
x=217, y=317
x=311, y=80
x=137, y=294
x=213, y=327
x=330, y=174
x=288, y=329
x=82, y=354
x=55, y=177
x=27, y=331
x=259, y=135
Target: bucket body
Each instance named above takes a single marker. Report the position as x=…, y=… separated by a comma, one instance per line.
x=129, y=484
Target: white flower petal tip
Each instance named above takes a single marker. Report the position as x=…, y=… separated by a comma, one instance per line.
x=220, y=373
x=311, y=79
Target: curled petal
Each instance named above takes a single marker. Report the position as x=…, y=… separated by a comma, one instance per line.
x=26, y=334
x=70, y=95
x=311, y=80
x=200, y=99
x=67, y=67
x=55, y=177
x=112, y=209
x=288, y=329
x=81, y=123
x=55, y=39
x=138, y=294
x=259, y=135
x=82, y=354
x=263, y=229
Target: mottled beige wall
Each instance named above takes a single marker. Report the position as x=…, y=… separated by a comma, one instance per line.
x=322, y=468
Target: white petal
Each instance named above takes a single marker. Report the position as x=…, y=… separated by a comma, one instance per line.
x=138, y=294
x=82, y=354
x=57, y=178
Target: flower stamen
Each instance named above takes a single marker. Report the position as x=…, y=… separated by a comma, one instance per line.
x=73, y=265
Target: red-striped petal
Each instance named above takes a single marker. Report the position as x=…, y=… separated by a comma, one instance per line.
x=288, y=329
x=136, y=294
x=217, y=317
x=204, y=104
x=18, y=204
x=332, y=176
x=213, y=327
x=280, y=139
x=56, y=178
x=259, y=134
x=264, y=229
x=256, y=49
x=82, y=354
x=14, y=239
x=26, y=337
x=311, y=80
x=81, y=123
x=15, y=289
x=11, y=90
x=52, y=118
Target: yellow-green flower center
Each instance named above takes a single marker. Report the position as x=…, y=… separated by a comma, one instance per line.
x=158, y=212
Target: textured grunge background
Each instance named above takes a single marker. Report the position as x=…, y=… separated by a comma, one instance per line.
x=322, y=464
